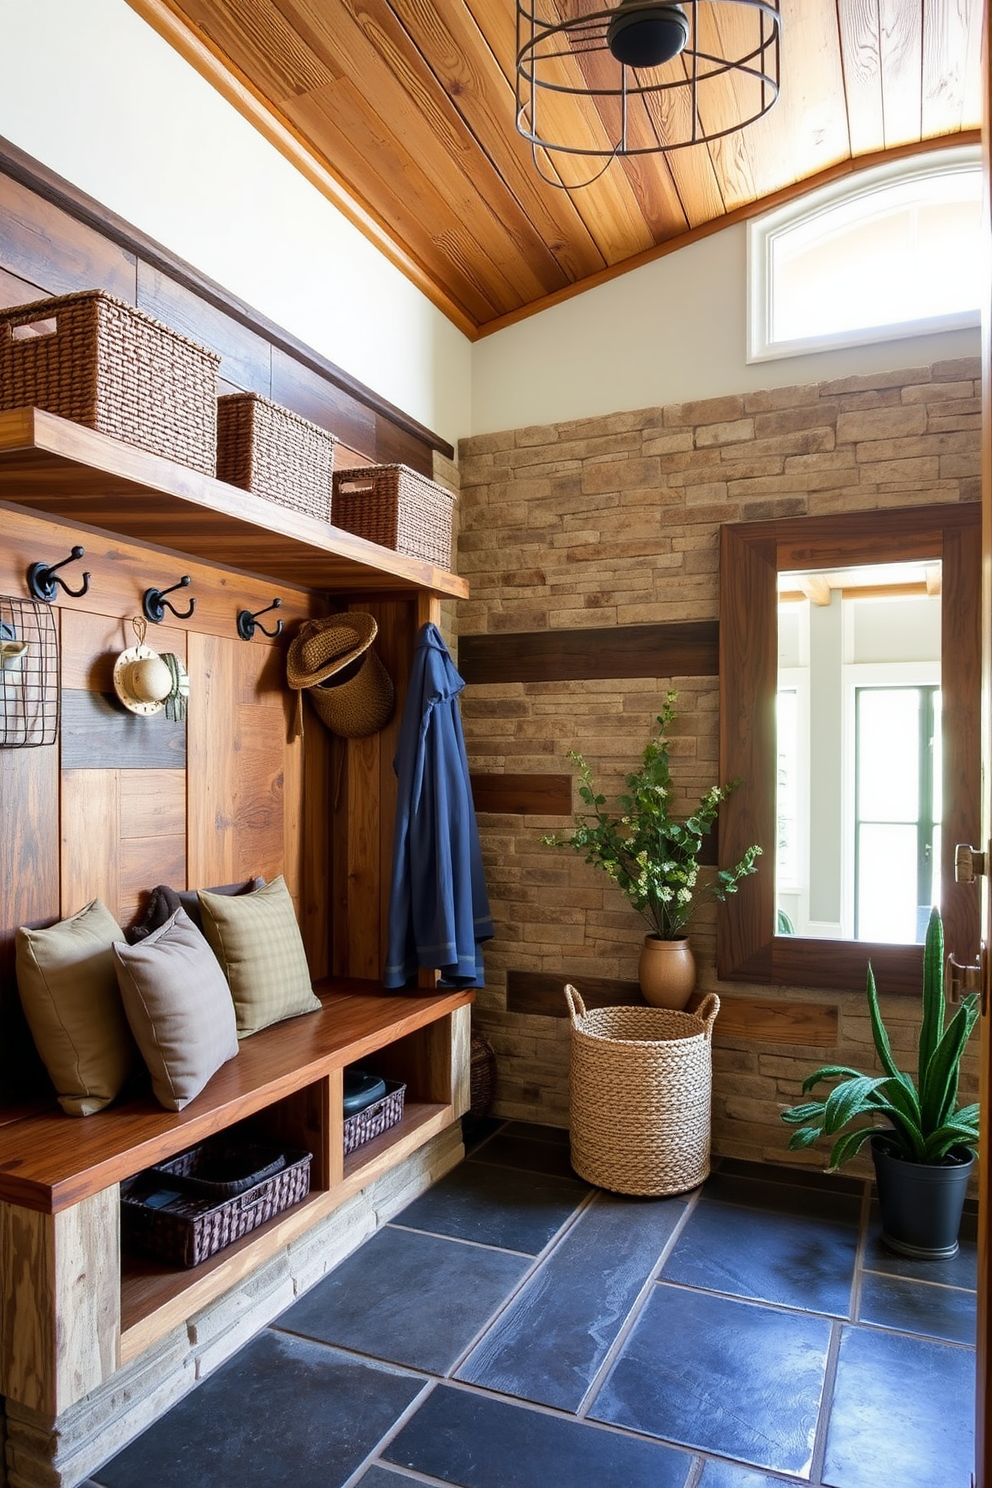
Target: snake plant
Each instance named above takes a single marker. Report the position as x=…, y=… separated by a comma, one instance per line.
x=922, y=1119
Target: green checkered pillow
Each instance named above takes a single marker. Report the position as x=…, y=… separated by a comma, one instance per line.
x=257, y=941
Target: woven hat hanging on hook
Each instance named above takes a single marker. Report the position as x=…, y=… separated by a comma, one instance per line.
x=333, y=662
x=29, y=674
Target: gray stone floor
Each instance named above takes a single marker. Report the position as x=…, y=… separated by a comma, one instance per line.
x=516, y=1328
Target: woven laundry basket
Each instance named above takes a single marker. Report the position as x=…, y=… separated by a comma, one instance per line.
x=272, y=452
x=397, y=508
x=640, y=1096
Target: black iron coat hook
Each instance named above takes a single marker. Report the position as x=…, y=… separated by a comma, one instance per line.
x=248, y=623
x=154, y=603
x=43, y=579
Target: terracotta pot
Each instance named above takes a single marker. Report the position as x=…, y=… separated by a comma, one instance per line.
x=666, y=972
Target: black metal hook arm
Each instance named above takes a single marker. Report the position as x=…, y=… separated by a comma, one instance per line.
x=154, y=603
x=249, y=623
x=43, y=580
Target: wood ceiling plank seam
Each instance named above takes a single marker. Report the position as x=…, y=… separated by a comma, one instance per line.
x=805, y=132
x=947, y=65
x=166, y=19
x=433, y=141
x=554, y=215
x=971, y=103
x=499, y=202
x=610, y=213
x=901, y=45
x=420, y=210
x=861, y=59
x=260, y=41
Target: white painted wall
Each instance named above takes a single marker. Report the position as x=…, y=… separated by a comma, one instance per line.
x=95, y=94
x=670, y=332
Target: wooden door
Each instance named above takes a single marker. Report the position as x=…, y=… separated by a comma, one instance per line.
x=983, y=1383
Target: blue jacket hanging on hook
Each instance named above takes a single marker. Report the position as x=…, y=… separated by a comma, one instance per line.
x=438, y=907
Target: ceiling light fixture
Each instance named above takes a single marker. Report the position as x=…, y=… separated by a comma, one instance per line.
x=658, y=76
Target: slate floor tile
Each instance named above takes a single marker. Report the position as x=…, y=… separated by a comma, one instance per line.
x=385, y=1477
x=918, y=1307
x=724, y=1376
x=896, y=1415
x=413, y=1299
x=279, y=1401
x=816, y=1201
x=724, y=1475
x=519, y=1152
x=959, y=1270
x=473, y=1440
x=789, y=1259
x=534, y=1132
x=818, y=1178
x=555, y=1334
x=494, y=1205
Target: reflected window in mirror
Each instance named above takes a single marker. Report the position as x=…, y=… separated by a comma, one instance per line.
x=885, y=752
x=858, y=748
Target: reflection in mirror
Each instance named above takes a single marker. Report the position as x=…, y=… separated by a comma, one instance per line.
x=858, y=748
x=877, y=885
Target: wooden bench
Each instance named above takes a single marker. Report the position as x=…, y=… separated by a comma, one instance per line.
x=74, y=1309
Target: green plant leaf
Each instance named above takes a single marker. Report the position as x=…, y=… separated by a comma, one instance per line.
x=939, y=1087
x=954, y=1134
x=878, y=1033
x=804, y=1137
x=808, y=1111
x=897, y=1101
x=849, y=1145
x=849, y=1099
x=932, y=1027
x=830, y=1072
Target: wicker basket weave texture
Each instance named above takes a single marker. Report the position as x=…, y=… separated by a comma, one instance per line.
x=376, y=1118
x=191, y=1228
x=640, y=1090
x=114, y=369
x=397, y=508
x=273, y=452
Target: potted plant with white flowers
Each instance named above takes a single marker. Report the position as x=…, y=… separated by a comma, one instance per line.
x=653, y=858
x=922, y=1139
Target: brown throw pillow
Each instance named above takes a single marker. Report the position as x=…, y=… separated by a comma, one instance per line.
x=257, y=941
x=179, y=1007
x=68, y=987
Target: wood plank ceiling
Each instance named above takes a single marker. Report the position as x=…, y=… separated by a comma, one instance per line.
x=403, y=112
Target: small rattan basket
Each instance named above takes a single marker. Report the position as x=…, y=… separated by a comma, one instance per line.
x=274, y=453
x=98, y=361
x=397, y=508
x=640, y=1096
x=376, y=1118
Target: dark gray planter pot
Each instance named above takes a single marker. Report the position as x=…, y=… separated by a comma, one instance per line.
x=921, y=1203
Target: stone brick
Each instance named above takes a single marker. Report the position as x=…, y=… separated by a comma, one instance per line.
x=881, y=423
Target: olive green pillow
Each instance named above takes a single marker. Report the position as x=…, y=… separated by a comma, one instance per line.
x=257, y=941
x=68, y=987
x=179, y=1007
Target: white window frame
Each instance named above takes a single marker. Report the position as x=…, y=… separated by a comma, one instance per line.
x=762, y=232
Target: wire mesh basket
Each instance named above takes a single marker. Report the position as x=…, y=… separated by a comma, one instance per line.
x=29, y=674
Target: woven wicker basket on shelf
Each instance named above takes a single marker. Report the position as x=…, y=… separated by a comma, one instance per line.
x=274, y=453
x=397, y=508
x=640, y=1096
x=91, y=358
x=376, y=1118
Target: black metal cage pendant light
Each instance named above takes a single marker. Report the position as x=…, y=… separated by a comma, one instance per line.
x=659, y=76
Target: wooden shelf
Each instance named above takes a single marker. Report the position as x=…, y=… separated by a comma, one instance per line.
x=61, y=469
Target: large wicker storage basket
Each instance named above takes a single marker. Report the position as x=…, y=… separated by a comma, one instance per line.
x=640, y=1096
x=274, y=453
x=91, y=358
x=397, y=508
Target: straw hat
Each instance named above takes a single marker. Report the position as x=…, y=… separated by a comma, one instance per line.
x=346, y=682
x=146, y=682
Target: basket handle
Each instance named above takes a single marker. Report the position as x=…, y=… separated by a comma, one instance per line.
x=32, y=327
x=707, y=1011
x=576, y=1006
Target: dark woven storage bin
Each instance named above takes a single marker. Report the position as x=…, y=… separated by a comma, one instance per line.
x=375, y=1119
x=397, y=508
x=180, y=1212
x=482, y=1075
x=274, y=453
x=95, y=360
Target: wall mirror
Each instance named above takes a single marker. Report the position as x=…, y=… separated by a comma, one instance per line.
x=775, y=928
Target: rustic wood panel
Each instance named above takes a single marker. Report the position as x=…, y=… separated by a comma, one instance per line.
x=762, y=1021
x=297, y=386
x=686, y=648
x=98, y=733
x=91, y=858
x=526, y=795
x=91, y=643
x=245, y=355
x=43, y=245
x=16, y=291
x=29, y=895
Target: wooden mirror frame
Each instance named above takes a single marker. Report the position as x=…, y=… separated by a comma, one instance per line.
x=752, y=554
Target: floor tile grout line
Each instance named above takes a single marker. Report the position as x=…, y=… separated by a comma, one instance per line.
x=923, y=1281
x=372, y=1458
x=636, y=1308
x=819, y=1452
x=864, y=1221
x=527, y=1255
x=532, y=1270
